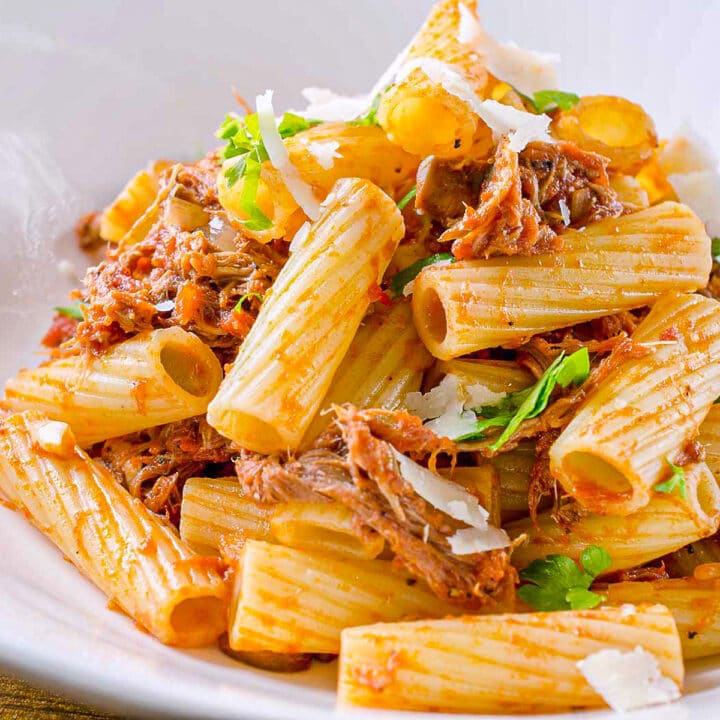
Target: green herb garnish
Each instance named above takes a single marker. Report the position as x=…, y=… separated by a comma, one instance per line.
x=521, y=405
x=244, y=155
x=546, y=100
x=245, y=297
x=403, y=203
x=557, y=583
x=401, y=279
x=675, y=484
x=73, y=311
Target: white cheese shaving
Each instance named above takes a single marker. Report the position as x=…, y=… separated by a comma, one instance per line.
x=325, y=152
x=324, y=104
x=476, y=540
x=522, y=127
x=701, y=191
x=165, y=306
x=479, y=394
x=299, y=237
x=564, y=212
x=445, y=495
x=686, y=152
x=526, y=70
x=628, y=680
x=280, y=158
x=627, y=609
x=56, y=438
x=426, y=533
x=453, y=424
x=436, y=402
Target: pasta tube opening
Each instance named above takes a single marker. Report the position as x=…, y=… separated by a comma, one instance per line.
x=192, y=614
x=431, y=316
x=189, y=370
x=596, y=475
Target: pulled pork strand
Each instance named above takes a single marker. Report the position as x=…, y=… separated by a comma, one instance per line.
x=524, y=201
x=353, y=464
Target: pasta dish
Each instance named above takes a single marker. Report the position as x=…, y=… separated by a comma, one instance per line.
x=423, y=381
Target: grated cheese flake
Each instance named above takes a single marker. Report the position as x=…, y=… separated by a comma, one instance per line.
x=56, y=437
x=280, y=158
x=477, y=540
x=628, y=679
x=701, y=191
x=520, y=126
x=325, y=152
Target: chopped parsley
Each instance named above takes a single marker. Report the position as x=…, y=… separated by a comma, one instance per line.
x=403, y=203
x=557, y=583
x=521, y=405
x=244, y=155
x=73, y=311
x=675, y=484
x=546, y=100
x=401, y=279
x=245, y=297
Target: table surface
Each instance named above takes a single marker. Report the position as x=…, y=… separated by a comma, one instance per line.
x=21, y=701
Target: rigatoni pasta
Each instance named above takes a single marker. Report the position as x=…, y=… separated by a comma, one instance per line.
x=269, y=398
x=176, y=595
x=610, y=266
x=461, y=665
x=151, y=379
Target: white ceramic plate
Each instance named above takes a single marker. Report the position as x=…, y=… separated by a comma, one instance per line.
x=88, y=93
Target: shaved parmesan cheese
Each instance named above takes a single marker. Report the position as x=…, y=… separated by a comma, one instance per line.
x=686, y=152
x=628, y=680
x=299, y=237
x=436, y=402
x=445, y=495
x=627, y=610
x=453, y=424
x=480, y=394
x=325, y=152
x=324, y=104
x=701, y=191
x=56, y=438
x=280, y=158
x=564, y=212
x=521, y=127
x=526, y=70
x=444, y=75
x=165, y=306
x=477, y=540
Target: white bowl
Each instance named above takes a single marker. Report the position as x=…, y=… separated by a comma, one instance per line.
x=92, y=91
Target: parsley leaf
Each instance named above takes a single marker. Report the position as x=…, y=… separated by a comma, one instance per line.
x=530, y=402
x=546, y=100
x=246, y=150
x=370, y=117
x=401, y=279
x=715, y=251
x=245, y=297
x=403, y=203
x=557, y=583
x=73, y=311
x=676, y=483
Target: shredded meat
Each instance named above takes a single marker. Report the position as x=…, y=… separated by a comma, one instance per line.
x=353, y=464
x=87, y=231
x=560, y=412
x=505, y=222
x=525, y=200
x=542, y=483
x=645, y=573
x=202, y=280
x=154, y=464
x=61, y=330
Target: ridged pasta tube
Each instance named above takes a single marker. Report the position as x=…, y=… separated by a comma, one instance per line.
x=154, y=378
x=287, y=600
x=710, y=438
x=612, y=265
x=524, y=663
x=419, y=113
x=385, y=362
x=215, y=508
x=308, y=320
x=618, y=445
x=667, y=523
x=112, y=538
